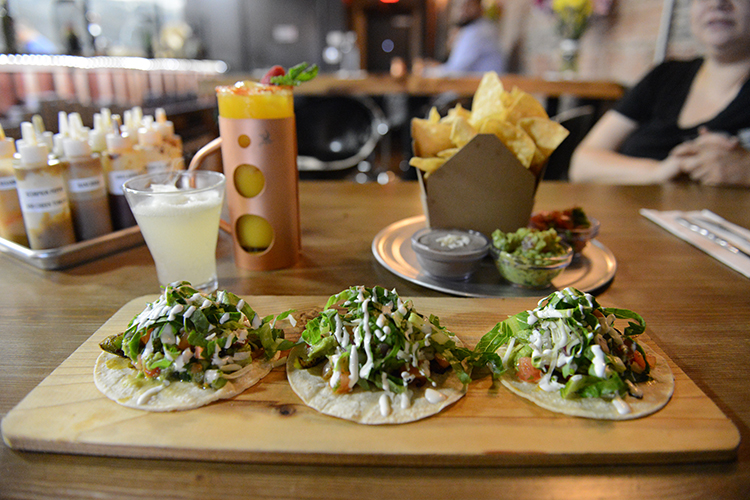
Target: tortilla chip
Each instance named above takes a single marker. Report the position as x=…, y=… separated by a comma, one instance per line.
x=426, y=164
x=364, y=406
x=537, y=162
x=656, y=394
x=525, y=106
x=488, y=99
x=547, y=134
x=514, y=138
x=500, y=117
x=430, y=137
x=462, y=132
x=434, y=115
x=509, y=98
x=448, y=153
x=116, y=379
x=456, y=112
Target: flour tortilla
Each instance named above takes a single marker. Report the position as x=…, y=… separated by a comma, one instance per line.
x=364, y=406
x=117, y=380
x=656, y=394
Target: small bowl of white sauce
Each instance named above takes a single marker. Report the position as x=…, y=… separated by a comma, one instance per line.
x=451, y=254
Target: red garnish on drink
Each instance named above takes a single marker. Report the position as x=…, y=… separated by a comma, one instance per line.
x=274, y=71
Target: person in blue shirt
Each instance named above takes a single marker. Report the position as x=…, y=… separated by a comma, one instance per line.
x=476, y=47
x=684, y=119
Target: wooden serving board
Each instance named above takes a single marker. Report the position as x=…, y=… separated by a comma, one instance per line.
x=268, y=423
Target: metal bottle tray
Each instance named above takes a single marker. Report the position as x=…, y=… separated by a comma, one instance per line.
x=77, y=253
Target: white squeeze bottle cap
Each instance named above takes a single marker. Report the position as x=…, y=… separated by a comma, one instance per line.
x=106, y=115
x=137, y=116
x=128, y=127
x=31, y=151
x=117, y=142
x=132, y=121
x=148, y=135
x=76, y=144
x=164, y=126
x=62, y=127
x=7, y=146
x=41, y=133
x=98, y=135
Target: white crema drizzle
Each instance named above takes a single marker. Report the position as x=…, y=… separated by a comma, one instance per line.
x=364, y=372
x=361, y=336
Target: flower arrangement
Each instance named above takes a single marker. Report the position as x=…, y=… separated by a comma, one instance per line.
x=572, y=17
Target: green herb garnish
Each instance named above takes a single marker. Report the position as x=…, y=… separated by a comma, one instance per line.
x=302, y=72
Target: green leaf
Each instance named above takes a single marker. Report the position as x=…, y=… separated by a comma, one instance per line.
x=196, y=338
x=134, y=346
x=603, y=387
x=159, y=363
x=313, y=331
x=492, y=340
x=636, y=326
x=302, y=72
x=342, y=296
x=199, y=320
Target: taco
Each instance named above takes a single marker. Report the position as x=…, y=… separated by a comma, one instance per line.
x=567, y=356
x=371, y=358
x=188, y=349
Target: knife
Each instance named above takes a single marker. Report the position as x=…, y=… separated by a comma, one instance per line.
x=721, y=226
x=711, y=236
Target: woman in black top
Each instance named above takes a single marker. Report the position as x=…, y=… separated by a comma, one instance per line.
x=685, y=118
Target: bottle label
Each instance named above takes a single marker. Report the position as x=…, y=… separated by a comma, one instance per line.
x=7, y=183
x=52, y=198
x=117, y=178
x=86, y=184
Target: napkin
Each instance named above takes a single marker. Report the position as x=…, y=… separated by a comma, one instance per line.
x=732, y=233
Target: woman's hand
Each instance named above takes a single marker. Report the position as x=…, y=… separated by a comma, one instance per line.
x=596, y=159
x=714, y=159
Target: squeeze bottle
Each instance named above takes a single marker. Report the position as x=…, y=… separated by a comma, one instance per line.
x=172, y=143
x=11, y=218
x=87, y=189
x=121, y=162
x=42, y=194
x=151, y=146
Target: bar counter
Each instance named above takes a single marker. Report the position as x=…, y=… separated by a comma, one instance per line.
x=697, y=311
x=464, y=86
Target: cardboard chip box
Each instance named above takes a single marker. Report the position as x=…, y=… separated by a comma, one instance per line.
x=482, y=187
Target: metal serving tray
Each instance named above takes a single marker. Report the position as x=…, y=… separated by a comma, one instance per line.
x=77, y=253
x=592, y=273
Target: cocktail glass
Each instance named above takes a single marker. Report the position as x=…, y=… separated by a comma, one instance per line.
x=178, y=214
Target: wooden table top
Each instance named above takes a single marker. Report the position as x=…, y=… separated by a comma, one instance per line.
x=697, y=310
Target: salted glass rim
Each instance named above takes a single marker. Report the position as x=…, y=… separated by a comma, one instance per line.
x=170, y=178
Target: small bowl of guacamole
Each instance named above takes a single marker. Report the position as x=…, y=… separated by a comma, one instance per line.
x=530, y=258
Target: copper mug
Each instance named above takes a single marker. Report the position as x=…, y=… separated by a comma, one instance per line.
x=259, y=159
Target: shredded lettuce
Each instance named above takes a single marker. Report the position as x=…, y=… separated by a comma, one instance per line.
x=394, y=344
x=184, y=333
x=573, y=343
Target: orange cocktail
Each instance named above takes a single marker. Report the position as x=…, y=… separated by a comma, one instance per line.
x=259, y=153
x=255, y=100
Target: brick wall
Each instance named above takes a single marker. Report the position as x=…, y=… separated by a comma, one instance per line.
x=619, y=47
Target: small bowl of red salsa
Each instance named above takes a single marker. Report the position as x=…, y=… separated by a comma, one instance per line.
x=572, y=225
